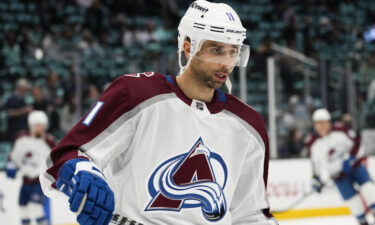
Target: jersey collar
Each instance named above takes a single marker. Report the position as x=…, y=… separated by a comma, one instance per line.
x=215, y=106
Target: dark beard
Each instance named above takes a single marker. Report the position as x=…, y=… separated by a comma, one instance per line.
x=204, y=76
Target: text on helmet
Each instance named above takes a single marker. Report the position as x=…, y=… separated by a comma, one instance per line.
x=198, y=7
x=234, y=31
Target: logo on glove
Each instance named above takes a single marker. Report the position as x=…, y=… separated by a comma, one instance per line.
x=188, y=181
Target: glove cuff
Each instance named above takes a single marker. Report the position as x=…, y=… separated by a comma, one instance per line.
x=72, y=168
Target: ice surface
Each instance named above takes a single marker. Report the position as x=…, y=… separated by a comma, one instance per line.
x=336, y=220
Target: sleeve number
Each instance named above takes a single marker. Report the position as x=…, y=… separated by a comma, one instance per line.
x=91, y=115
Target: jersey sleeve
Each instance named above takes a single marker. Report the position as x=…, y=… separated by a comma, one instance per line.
x=319, y=165
x=96, y=136
x=250, y=204
x=15, y=155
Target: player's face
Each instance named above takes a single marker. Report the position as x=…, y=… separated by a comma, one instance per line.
x=213, y=63
x=38, y=130
x=322, y=127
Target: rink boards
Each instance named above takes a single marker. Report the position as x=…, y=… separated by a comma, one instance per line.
x=288, y=181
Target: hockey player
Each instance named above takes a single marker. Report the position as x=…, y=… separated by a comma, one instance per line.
x=173, y=150
x=337, y=155
x=28, y=154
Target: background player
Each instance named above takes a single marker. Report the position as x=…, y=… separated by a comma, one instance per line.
x=29, y=151
x=337, y=155
x=173, y=150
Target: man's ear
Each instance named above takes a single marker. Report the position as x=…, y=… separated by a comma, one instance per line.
x=187, y=48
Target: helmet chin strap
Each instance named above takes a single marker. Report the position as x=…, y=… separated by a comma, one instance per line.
x=182, y=68
x=228, y=83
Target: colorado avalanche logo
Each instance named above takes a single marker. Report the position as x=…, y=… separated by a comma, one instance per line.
x=192, y=180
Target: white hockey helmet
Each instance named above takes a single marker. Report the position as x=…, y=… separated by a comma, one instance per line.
x=216, y=22
x=37, y=117
x=321, y=115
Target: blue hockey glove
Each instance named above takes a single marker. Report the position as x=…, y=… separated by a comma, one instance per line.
x=348, y=165
x=88, y=192
x=11, y=170
x=317, y=184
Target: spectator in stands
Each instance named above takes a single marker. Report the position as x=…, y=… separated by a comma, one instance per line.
x=43, y=104
x=52, y=88
x=51, y=45
x=293, y=144
x=146, y=33
x=96, y=17
x=40, y=102
x=85, y=3
x=290, y=25
x=347, y=120
x=297, y=113
x=54, y=95
x=128, y=37
x=17, y=109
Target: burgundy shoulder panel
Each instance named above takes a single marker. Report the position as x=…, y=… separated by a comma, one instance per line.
x=143, y=86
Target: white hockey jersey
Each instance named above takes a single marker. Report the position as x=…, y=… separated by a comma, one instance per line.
x=170, y=159
x=29, y=154
x=328, y=153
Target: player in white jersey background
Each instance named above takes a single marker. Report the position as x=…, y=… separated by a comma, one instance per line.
x=159, y=149
x=29, y=151
x=337, y=156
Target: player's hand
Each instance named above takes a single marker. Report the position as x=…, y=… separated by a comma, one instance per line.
x=88, y=192
x=11, y=170
x=317, y=184
x=348, y=165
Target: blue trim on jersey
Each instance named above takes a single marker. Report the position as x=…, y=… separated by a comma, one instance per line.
x=170, y=79
x=222, y=97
